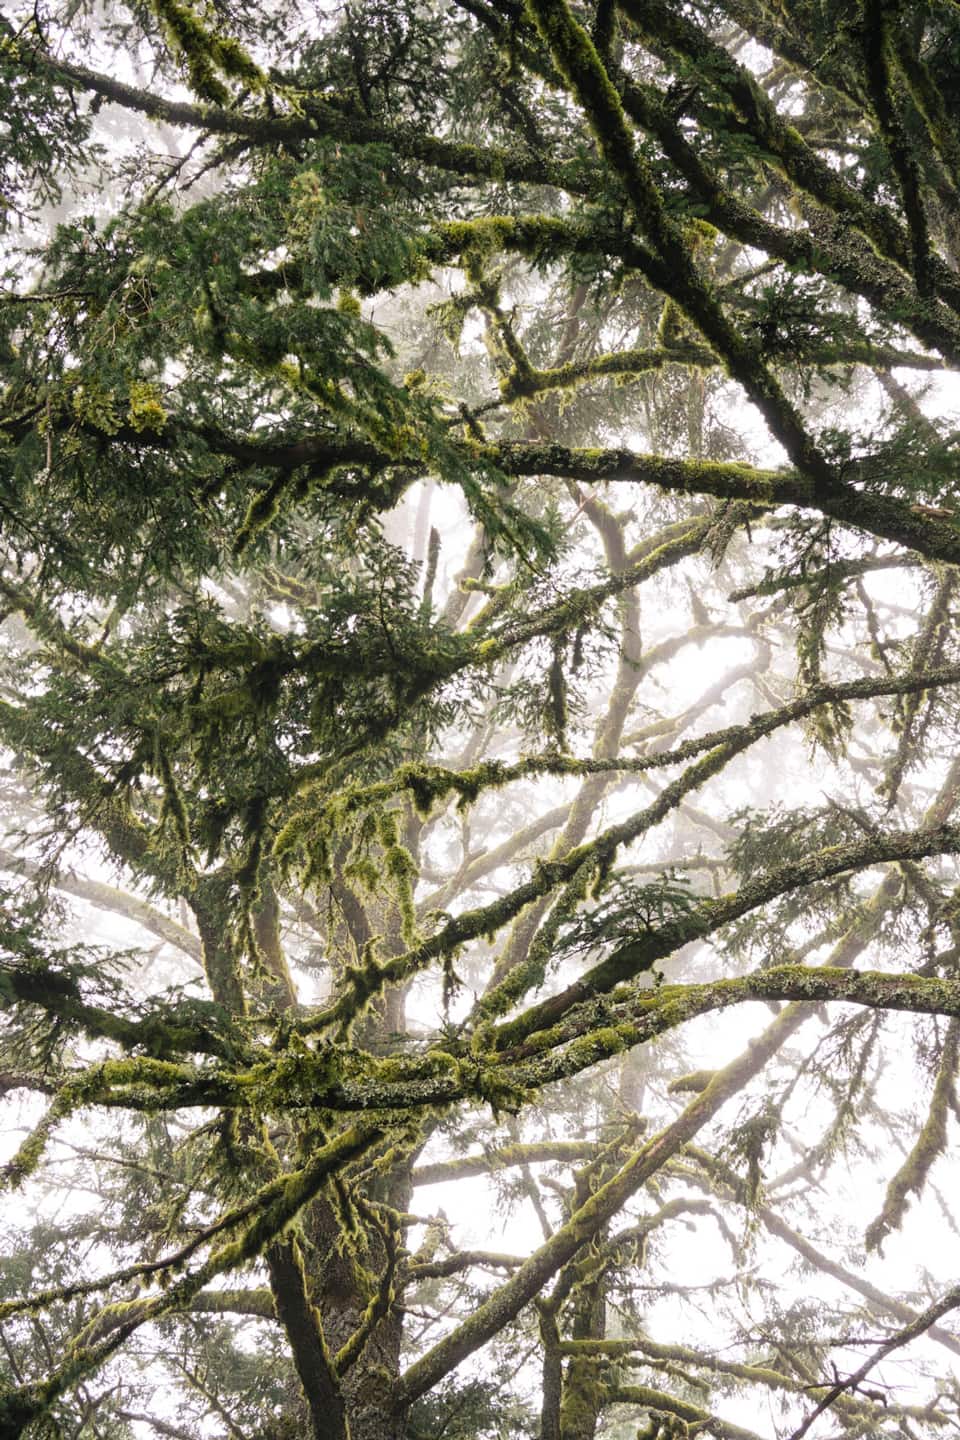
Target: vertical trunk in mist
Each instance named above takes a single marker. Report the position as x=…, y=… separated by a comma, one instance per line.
x=345, y=1279
x=583, y=1393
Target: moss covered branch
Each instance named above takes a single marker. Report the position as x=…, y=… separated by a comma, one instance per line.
x=929, y=1144
x=885, y=516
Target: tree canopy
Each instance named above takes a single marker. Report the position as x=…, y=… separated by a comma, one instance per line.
x=479, y=519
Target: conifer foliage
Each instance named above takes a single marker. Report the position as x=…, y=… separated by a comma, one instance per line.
x=479, y=518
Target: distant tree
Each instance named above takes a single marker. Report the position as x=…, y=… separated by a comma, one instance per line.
x=478, y=544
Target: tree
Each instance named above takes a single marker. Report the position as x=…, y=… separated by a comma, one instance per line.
x=479, y=541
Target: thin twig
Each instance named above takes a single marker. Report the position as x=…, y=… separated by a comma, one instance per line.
x=928, y=1317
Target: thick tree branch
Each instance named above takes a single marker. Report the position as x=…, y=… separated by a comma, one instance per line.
x=321, y=119
x=106, y=897
x=869, y=510
x=584, y=1223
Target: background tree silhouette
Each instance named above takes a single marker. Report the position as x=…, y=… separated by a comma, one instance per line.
x=478, y=494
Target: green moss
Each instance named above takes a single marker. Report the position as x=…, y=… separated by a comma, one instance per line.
x=143, y=1077
x=583, y=1397
x=204, y=53
x=596, y=1046
x=145, y=410
x=262, y=510
x=694, y=1083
